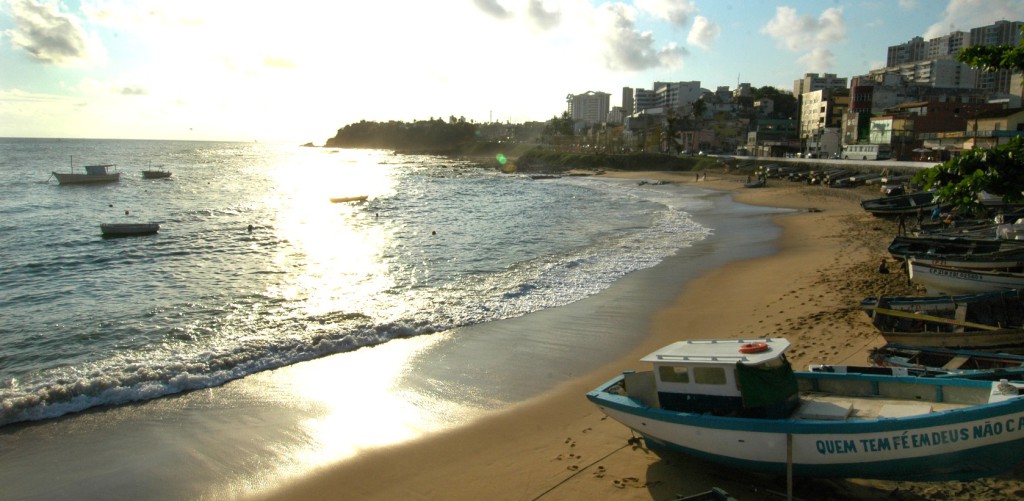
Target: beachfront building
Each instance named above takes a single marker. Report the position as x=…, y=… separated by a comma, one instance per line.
x=588, y=109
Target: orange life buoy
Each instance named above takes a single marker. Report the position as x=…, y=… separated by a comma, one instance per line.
x=757, y=347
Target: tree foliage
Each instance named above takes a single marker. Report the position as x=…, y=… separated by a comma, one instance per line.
x=433, y=134
x=559, y=126
x=998, y=171
x=994, y=57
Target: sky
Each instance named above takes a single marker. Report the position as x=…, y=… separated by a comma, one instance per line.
x=298, y=71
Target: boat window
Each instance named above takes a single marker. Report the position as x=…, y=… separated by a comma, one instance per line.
x=674, y=374
x=709, y=375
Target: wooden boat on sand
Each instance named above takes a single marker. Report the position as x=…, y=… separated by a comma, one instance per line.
x=940, y=280
x=129, y=229
x=960, y=252
x=896, y=355
x=901, y=204
x=737, y=402
x=984, y=321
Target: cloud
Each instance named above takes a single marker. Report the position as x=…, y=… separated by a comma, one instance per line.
x=542, y=18
x=134, y=90
x=962, y=15
x=908, y=4
x=819, y=59
x=703, y=33
x=674, y=11
x=493, y=8
x=50, y=36
x=632, y=50
x=799, y=33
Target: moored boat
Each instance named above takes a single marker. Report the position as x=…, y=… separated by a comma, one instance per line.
x=129, y=229
x=101, y=173
x=338, y=200
x=739, y=403
x=156, y=174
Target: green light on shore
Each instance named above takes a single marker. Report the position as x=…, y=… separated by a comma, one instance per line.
x=501, y=158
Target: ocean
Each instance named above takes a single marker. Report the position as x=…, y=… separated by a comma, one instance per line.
x=229, y=347
x=439, y=243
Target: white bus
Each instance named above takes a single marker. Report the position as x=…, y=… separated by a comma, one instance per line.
x=867, y=152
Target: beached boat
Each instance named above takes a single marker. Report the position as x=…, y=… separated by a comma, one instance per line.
x=895, y=355
x=901, y=204
x=1012, y=373
x=947, y=280
x=128, y=229
x=984, y=321
x=102, y=173
x=960, y=252
x=739, y=403
x=338, y=200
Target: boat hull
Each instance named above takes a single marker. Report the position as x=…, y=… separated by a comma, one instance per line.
x=960, y=444
x=129, y=229
x=65, y=178
x=155, y=174
x=945, y=280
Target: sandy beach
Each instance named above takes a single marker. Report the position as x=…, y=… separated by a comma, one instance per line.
x=559, y=446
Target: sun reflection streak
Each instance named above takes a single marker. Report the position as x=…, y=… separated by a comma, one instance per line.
x=334, y=248
x=360, y=403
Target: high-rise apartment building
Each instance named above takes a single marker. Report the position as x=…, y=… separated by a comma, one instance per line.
x=813, y=81
x=590, y=108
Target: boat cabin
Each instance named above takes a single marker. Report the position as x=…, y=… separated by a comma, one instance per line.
x=97, y=170
x=741, y=377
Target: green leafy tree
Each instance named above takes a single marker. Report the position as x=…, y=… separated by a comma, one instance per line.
x=994, y=57
x=998, y=171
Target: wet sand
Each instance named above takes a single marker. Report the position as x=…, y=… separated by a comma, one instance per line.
x=558, y=446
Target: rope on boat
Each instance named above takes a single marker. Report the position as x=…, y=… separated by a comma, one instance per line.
x=631, y=442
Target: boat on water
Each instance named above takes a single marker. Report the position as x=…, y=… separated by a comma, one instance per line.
x=737, y=402
x=895, y=355
x=960, y=252
x=338, y=200
x=948, y=280
x=984, y=321
x=102, y=173
x=129, y=229
x=901, y=204
x=156, y=174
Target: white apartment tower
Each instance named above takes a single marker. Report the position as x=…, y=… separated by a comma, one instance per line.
x=590, y=108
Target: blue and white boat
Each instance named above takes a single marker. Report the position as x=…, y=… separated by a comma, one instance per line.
x=739, y=403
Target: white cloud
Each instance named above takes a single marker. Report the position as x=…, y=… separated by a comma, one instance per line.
x=541, y=17
x=703, y=33
x=799, y=33
x=962, y=15
x=51, y=36
x=677, y=12
x=492, y=8
x=632, y=50
x=817, y=60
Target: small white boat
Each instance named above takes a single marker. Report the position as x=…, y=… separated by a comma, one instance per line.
x=339, y=200
x=128, y=229
x=947, y=280
x=102, y=173
x=737, y=402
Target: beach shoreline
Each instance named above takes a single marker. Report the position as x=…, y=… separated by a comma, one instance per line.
x=560, y=446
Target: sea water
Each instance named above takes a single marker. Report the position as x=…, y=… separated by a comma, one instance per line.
x=255, y=268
